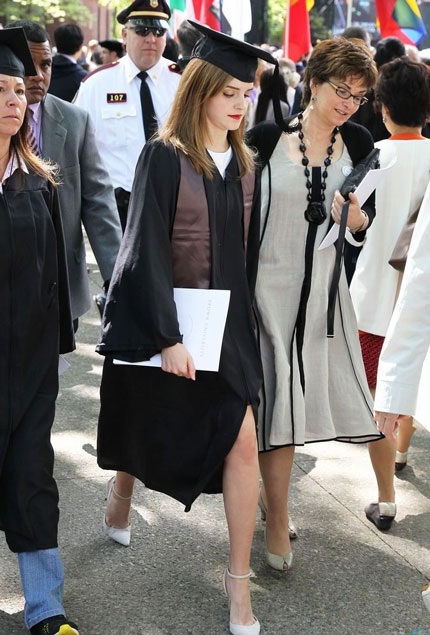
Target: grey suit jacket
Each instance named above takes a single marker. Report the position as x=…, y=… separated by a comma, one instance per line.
x=86, y=195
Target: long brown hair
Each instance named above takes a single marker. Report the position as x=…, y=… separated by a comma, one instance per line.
x=45, y=169
x=186, y=127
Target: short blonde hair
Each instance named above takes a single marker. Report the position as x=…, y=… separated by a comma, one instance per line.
x=186, y=127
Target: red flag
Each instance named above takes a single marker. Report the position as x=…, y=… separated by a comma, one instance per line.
x=208, y=12
x=297, y=31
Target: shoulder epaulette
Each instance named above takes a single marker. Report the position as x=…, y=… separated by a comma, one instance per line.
x=100, y=68
x=175, y=68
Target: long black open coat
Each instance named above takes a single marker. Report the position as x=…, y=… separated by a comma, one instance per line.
x=170, y=432
x=35, y=324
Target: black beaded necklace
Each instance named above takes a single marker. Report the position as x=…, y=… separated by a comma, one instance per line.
x=315, y=211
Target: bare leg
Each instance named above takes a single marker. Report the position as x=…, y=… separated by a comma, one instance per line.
x=383, y=455
x=118, y=505
x=240, y=486
x=276, y=469
x=406, y=431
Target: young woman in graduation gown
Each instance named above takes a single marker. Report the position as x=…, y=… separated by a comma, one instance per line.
x=193, y=222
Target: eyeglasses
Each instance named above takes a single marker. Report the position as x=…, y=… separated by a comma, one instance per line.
x=144, y=31
x=344, y=93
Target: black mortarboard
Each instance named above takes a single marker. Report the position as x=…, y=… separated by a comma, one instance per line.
x=113, y=45
x=237, y=58
x=147, y=13
x=15, y=56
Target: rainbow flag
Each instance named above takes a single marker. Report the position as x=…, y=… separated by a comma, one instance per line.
x=402, y=19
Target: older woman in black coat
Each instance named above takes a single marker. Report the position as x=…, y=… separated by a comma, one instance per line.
x=35, y=325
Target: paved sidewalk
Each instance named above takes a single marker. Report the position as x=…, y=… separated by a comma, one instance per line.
x=347, y=578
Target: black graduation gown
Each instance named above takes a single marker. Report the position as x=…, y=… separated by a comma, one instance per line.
x=170, y=432
x=33, y=328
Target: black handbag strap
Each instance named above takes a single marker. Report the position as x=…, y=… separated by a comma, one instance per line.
x=340, y=243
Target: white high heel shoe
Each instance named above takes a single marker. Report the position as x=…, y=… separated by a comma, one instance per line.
x=240, y=629
x=280, y=563
x=121, y=535
x=292, y=530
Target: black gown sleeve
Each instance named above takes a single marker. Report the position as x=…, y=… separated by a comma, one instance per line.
x=67, y=338
x=140, y=316
x=253, y=246
x=359, y=143
x=263, y=139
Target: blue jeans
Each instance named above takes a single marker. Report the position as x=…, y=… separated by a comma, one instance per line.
x=42, y=579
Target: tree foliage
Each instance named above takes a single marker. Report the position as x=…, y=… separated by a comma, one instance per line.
x=116, y=6
x=275, y=19
x=44, y=11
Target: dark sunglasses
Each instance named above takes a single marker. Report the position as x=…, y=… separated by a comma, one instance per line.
x=144, y=31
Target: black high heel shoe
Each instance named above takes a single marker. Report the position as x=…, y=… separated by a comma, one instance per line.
x=401, y=461
x=381, y=514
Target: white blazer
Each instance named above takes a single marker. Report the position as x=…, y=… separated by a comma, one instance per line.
x=374, y=285
x=408, y=337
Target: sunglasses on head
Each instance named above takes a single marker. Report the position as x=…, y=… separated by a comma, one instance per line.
x=144, y=31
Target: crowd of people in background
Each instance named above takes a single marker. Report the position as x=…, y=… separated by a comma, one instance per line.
x=106, y=137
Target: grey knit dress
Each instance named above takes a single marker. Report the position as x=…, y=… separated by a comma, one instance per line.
x=315, y=387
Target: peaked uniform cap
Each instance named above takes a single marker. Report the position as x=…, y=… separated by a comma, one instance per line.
x=15, y=56
x=146, y=12
x=237, y=58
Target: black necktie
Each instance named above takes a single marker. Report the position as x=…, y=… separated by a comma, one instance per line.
x=148, y=113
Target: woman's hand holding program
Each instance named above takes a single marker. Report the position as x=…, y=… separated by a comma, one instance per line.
x=357, y=219
x=177, y=360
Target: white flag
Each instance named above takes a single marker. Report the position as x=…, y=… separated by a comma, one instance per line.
x=239, y=15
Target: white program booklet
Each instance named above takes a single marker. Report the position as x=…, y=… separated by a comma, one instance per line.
x=202, y=315
x=63, y=365
x=372, y=179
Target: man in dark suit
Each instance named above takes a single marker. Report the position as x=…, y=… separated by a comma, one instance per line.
x=65, y=135
x=67, y=73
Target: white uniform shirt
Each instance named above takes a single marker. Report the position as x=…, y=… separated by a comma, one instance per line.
x=111, y=95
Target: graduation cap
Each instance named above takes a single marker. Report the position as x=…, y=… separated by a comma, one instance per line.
x=154, y=13
x=15, y=56
x=237, y=58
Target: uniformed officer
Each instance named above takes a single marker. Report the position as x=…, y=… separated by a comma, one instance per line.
x=112, y=94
